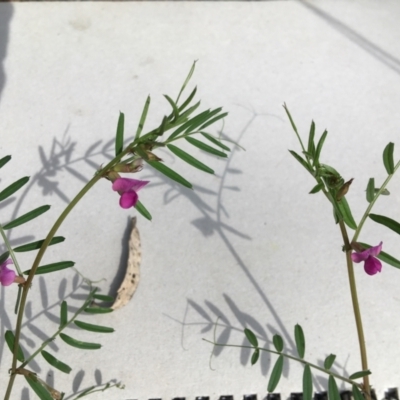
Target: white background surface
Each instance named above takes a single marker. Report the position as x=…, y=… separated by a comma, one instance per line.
x=248, y=244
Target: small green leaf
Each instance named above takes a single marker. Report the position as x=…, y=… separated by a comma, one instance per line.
x=301, y=161
x=370, y=190
x=143, y=118
x=187, y=80
x=168, y=172
x=26, y=217
x=360, y=374
x=93, y=328
x=9, y=190
x=316, y=188
x=189, y=159
x=98, y=310
x=251, y=337
x=188, y=100
x=188, y=124
x=119, y=137
x=79, y=344
x=384, y=192
x=63, y=314
x=141, y=209
x=55, y=362
x=319, y=148
x=385, y=257
x=307, y=383
x=4, y=256
x=388, y=222
x=290, y=118
x=346, y=212
x=45, y=269
x=388, y=158
x=38, y=244
x=205, y=147
x=175, y=110
x=9, y=337
x=333, y=392
x=255, y=356
x=38, y=388
x=357, y=395
x=4, y=161
x=217, y=142
x=275, y=374
x=213, y=120
x=300, y=340
x=329, y=361
x=311, y=145
x=104, y=297
x=278, y=342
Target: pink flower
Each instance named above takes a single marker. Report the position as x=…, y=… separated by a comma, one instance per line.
x=372, y=265
x=127, y=188
x=7, y=276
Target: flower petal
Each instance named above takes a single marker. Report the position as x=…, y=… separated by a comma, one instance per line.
x=372, y=266
x=358, y=257
x=128, y=199
x=6, y=275
x=374, y=251
x=125, y=184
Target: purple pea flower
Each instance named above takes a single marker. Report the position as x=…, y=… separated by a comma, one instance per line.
x=372, y=265
x=128, y=189
x=7, y=275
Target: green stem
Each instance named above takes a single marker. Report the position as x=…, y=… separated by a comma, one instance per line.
x=300, y=360
x=356, y=306
x=39, y=257
x=368, y=210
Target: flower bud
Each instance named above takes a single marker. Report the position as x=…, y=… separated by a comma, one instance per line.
x=343, y=189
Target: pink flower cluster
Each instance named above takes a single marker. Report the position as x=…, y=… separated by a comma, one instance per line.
x=7, y=275
x=371, y=264
x=128, y=189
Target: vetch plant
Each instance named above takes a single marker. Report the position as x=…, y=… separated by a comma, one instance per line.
x=139, y=153
x=334, y=188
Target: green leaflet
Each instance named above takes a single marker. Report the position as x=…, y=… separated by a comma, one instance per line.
x=251, y=337
x=311, y=145
x=319, y=148
x=38, y=244
x=278, y=342
x=9, y=337
x=275, y=374
x=45, y=269
x=360, y=374
x=168, y=172
x=329, y=361
x=9, y=190
x=307, y=383
x=388, y=222
x=370, y=190
x=55, y=362
x=119, y=137
x=4, y=161
x=188, y=100
x=186, y=80
x=301, y=161
x=4, y=256
x=79, y=344
x=316, y=188
x=26, y=217
x=300, y=340
x=333, y=392
x=346, y=213
x=205, y=147
x=214, y=140
x=98, y=310
x=213, y=120
x=38, y=388
x=255, y=356
x=141, y=209
x=189, y=159
x=388, y=161
x=357, y=395
x=104, y=297
x=63, y=314
x=143, y=118
x=93, y=328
